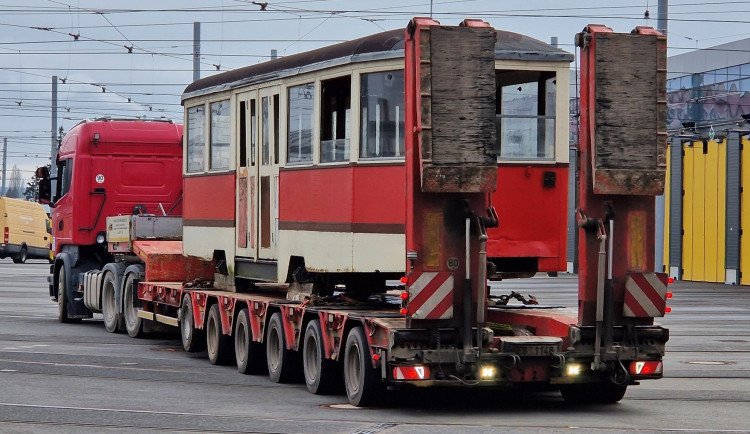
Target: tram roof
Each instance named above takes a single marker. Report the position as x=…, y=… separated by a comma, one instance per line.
x=384, y=45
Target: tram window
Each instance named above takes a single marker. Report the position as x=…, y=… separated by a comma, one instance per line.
x=219, y=148
x=196, y=138
x=243, y=134
x=253, y=131
x=265, y=157
x=335, y=123
x=382, y=115
x=526, y=115
x=299, y=125
x=276, y=129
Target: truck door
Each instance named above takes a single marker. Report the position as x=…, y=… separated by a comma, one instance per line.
x=268, y=174
x=247, y=176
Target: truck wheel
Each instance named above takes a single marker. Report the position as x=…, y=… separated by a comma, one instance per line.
x=112, y=320
x=593, y=393
x=363, y=384
x=218, y=344
x=283, y=364
x=193, y=340
x=133, y=323
x=62, y=299
x=250, y=355
x=21, y=257
x=322, y=375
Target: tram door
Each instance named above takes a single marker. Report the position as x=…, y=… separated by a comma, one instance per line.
x=247, y=174
x=268, y=174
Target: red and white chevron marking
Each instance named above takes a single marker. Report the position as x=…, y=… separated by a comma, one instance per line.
x=431, y=296
x=645, y=295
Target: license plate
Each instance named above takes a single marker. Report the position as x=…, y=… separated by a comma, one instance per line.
x=535, y=350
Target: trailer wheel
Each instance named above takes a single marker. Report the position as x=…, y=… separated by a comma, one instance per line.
x=21, y=257
x=62, y=298
x=593, y=393
x=193, y=340
x=283, y=364
x=250, y=355
x=133, y=323
x=112, y=320
x=363, y=384
x=322, y=375
x=218, y=344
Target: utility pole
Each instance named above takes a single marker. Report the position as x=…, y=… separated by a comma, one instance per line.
x=196, y=50
x=5, y=161
x=53, y=143
x=661, y=26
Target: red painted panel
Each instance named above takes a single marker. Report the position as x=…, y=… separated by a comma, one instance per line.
x=533, y=218
x=209, y=198
x=165, y=261
x=345, y=194
x=380, y=194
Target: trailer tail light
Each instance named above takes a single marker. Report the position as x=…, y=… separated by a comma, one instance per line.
x=6, y=235
x=646, y=368
x=670, y=280
x=417, y=372
x=669, y=295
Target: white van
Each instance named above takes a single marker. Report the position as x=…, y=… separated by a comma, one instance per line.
x=26, y=230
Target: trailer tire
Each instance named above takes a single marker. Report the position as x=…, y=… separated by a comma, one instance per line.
x=250, y=355
x=133, y=323
x=193, y=340
x=112, y=320
x=322, y=375
x=219, y=345
x=593, y=393
x=363, y=385
x=283, y=364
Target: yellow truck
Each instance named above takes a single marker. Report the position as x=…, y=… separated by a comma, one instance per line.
x=27, y=232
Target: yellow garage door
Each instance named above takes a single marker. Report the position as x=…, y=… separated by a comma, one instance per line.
x=704, y=207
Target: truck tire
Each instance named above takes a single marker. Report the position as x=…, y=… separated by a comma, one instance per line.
x=62, y=298
x=322, y=375
x=133, y=323
x=593, y=393
x=193, y=340
x=283, y=364
x=112, y=320
x=219, y=345
x=363, y=385
x=21, y=257
x=250, y=355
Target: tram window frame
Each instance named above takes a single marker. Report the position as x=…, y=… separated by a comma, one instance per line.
x=335, y=123
x=220, y=127
x=247, y=129
x=195, y=153
x=300, y=99
x=388, y=115
x=537, y=106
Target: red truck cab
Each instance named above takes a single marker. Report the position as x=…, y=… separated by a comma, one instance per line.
x=106, y=168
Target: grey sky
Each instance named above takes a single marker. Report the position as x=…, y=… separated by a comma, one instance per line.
x=38, y=40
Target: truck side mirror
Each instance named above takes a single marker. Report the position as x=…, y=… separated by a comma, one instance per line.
x=45, y=185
